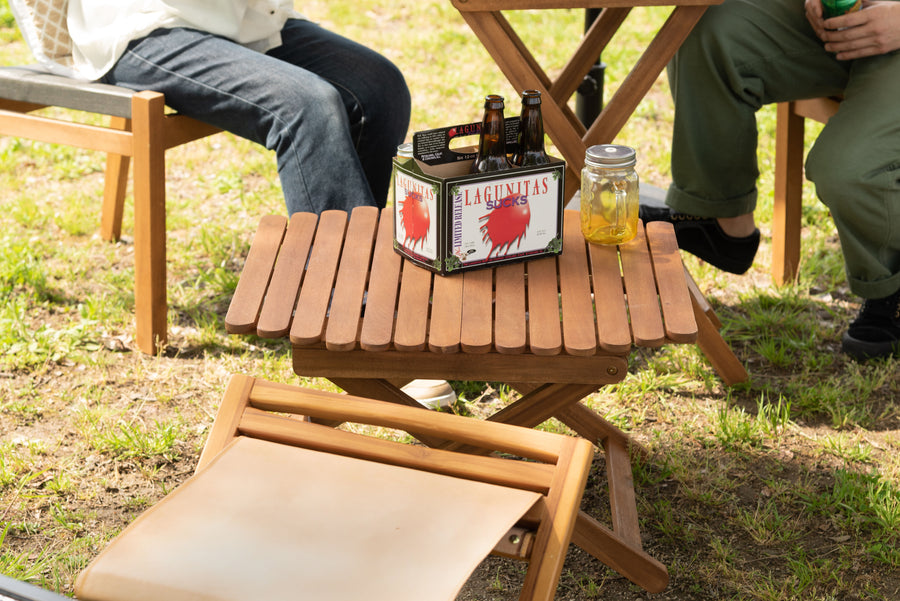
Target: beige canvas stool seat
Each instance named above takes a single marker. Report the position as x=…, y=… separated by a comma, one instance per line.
x=288, y=508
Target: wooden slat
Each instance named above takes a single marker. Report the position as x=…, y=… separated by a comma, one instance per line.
x=543, y=307
x=613, y=329
x=281, y=298
x=446, y=314
x=312, y=304
x=401, y=365
x=251, y=288
x=331, y=406
x=502, y=472
x=56, y=131
x=382, y=390
x=579, y=334
x=384, y=283
x=674, y=298
x=787, y=194
x=350, y=285
x=509, y=315
x=477, y=311
x=643, y=302
x=412, y=308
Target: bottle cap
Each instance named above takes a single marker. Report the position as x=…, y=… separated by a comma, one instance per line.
x=405, y=150
x=611, y=155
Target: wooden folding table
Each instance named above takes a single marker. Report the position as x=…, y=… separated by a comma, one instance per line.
x=523, y=71
x=555, y=328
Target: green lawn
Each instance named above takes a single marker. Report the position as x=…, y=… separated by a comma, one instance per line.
x=786, y=488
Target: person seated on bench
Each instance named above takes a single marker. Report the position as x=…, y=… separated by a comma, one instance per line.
x=747, y=53
x=333, y=110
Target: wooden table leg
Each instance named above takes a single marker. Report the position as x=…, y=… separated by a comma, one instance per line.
x=620, y=547
x=613, y=551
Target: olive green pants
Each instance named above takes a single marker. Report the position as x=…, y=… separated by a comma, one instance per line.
x=744, y=54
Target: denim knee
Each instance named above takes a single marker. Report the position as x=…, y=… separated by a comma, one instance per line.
x=314, y=112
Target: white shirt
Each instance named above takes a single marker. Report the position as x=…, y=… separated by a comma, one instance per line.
x=101, y=29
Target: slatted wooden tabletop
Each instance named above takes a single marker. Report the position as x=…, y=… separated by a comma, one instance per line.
x=335, y=282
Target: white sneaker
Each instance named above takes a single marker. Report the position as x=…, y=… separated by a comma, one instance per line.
x=432, y=394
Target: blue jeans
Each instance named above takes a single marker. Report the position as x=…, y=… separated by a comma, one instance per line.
x=333, y=110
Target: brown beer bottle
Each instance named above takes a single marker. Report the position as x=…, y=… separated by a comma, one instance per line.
x=492, y=141
x=530, y=146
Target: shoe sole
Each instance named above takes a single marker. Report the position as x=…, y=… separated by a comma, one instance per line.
x=862, y=350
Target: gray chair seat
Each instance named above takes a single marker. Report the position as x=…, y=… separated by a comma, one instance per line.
x=35, y=84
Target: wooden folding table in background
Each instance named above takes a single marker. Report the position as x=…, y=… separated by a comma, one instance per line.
x=523, y=71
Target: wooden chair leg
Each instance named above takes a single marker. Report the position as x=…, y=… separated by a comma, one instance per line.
x=149, y=221
x=788, y=194
x=114, y=187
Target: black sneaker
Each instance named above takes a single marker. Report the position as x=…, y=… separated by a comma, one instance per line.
x=875, y=333
x=704, y=238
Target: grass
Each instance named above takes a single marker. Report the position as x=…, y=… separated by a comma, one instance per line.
x=785, y=488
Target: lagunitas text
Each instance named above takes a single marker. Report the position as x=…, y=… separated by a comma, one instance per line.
x=490, y=193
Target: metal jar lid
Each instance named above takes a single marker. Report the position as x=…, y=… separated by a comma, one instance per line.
x=611, y=156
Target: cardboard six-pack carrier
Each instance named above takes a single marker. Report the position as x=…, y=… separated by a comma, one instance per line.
x=448, y=220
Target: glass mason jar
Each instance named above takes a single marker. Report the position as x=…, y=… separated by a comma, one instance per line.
x=609, y=194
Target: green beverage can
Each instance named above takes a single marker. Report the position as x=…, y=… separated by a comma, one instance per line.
x=835, y=8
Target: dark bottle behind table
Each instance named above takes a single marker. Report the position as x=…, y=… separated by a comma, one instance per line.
x=530, y=141
x=492, y=141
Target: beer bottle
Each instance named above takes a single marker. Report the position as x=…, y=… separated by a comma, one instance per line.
x=530, y=146
x=492, y=141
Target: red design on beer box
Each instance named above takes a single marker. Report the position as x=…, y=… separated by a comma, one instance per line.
x=506, y=224
x=415, y=218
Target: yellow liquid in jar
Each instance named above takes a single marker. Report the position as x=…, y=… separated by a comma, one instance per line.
x=598, y=218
